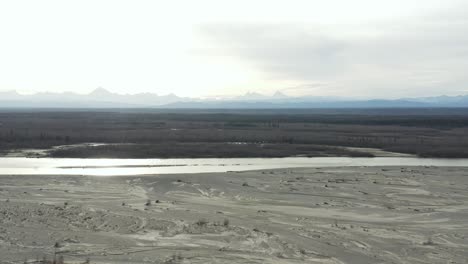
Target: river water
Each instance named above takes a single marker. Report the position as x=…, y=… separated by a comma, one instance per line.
x=120, y=167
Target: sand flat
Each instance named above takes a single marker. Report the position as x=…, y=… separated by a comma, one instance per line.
x=305, y=215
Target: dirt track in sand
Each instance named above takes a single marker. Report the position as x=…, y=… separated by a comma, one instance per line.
x=314, y=215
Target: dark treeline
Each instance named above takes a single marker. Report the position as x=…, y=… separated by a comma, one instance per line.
x=438, y=135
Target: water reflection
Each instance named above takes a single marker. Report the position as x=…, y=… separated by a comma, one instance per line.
x=109, y=167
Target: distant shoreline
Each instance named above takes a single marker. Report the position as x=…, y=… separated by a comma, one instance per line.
x=193, y=150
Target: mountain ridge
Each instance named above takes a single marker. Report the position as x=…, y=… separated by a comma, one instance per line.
x=103, y=98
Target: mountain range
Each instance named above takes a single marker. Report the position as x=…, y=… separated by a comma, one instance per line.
x=102, y=98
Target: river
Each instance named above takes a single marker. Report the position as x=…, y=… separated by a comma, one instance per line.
x=121, y=167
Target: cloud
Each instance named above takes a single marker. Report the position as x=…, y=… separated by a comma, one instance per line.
x=281, y=51
x=416, y=55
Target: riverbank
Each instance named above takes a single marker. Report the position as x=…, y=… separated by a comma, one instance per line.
x=190, y=150
x=310, y=215
x=210, y=150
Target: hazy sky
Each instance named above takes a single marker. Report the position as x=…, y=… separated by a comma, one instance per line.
x=357, y=48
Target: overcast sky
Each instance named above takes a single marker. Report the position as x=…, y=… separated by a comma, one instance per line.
x=348, y=48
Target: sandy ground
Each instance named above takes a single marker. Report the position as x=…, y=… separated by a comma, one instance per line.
x=325, y=215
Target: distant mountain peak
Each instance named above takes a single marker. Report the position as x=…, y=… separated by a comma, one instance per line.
x=258, y=96
x=279, y=94
x=171, y=95
x=100, y=91
x=10, y=92
x=251, y=96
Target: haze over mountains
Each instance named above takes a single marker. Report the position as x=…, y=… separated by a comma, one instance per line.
x=102, y=98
